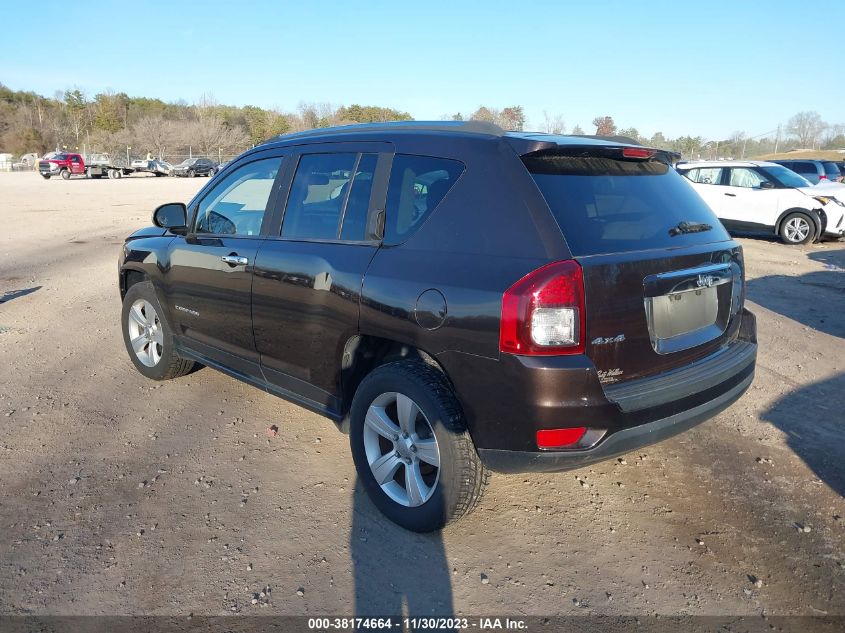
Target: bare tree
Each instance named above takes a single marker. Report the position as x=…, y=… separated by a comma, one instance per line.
x=553, y=124
x=806, y=127
x=211, y=136
x=155, y=133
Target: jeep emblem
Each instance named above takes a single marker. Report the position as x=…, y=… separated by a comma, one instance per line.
x=705, y=281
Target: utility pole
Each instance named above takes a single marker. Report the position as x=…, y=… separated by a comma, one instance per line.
x=777, y=140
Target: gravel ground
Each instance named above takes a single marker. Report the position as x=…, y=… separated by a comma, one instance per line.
x=121, y=495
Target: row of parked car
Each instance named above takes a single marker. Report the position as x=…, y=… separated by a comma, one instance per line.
x=189, y=167
x=68, y=164
x=800, y=201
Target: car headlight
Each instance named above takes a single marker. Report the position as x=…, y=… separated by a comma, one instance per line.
x=825, y=200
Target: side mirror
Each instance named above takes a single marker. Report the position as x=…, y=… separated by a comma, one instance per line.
x=767, y=185
x=172, y=216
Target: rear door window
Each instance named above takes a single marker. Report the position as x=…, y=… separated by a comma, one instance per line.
x=604, y=205
x=330, y=197
x=417, y=185
x=705, y=175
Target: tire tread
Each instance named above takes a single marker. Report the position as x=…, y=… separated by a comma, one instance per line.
x=473, y=473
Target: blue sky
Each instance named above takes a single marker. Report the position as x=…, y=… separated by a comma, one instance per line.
x=707, y=68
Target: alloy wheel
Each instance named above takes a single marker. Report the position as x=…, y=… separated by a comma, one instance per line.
x=797, y=229
x=401, y=449
x=145, y=332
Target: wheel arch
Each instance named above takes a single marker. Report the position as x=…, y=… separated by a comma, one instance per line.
x=129, y=277
x=812, y=214
x=362, y=353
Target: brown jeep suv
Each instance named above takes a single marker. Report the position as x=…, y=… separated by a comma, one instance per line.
x=457, y=298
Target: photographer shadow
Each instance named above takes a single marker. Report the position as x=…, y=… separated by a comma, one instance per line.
x=812, y=420
x=396, y=572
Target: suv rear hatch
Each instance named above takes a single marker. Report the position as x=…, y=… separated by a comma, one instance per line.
x=663, y=281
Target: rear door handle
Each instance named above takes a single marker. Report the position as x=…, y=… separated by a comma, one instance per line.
x=235, y=260
x=732, y=195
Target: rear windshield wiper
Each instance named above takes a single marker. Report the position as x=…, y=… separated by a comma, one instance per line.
x=689, y=227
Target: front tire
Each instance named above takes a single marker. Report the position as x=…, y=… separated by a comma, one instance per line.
x=191, y=173
x=797, y=228
x=65, y=174
x=148, y=337
x=45, y=176
x=411, y=448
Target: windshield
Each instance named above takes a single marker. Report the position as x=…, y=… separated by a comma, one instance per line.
x=610, y=206
x=786, y=177
x=188, y=161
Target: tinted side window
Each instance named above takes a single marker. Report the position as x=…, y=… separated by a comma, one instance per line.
x=236, y=205
x=358, y=201
x=317, y=195
x=417, y=185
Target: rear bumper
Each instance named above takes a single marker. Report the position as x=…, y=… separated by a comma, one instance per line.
x=507, y=401
x=617, y=443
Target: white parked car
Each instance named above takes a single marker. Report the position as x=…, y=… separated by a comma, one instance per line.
x=761, y=197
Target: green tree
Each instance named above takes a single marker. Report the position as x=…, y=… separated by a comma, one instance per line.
x=632, y=133
x=108, y=114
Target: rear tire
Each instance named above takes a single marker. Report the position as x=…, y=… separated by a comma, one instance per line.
x=148, y=337
x=797, y=228
x=403, y=449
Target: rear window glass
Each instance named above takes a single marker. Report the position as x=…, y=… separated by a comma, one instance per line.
x=417, y=185
x=831, y=169
x=606, y=206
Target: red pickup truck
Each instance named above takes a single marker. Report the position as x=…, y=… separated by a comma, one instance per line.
x=67, y=164
x=63, y=164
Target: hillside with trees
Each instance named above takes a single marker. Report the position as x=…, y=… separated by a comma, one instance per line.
x=120, y=124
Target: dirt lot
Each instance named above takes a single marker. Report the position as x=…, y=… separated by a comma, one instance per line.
x=120, y=495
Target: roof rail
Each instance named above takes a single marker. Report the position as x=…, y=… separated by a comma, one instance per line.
x=465, y=127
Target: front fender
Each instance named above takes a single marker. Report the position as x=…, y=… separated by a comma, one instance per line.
x=145, y=254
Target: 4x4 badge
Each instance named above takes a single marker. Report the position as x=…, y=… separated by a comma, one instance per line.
x=607, y=340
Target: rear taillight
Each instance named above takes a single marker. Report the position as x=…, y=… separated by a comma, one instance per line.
x=823, y=177
x=543, y=313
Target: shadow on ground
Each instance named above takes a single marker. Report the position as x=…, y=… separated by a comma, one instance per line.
x=396, y=571
x=810, y=298
x=16, y=294
x=812, y=420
